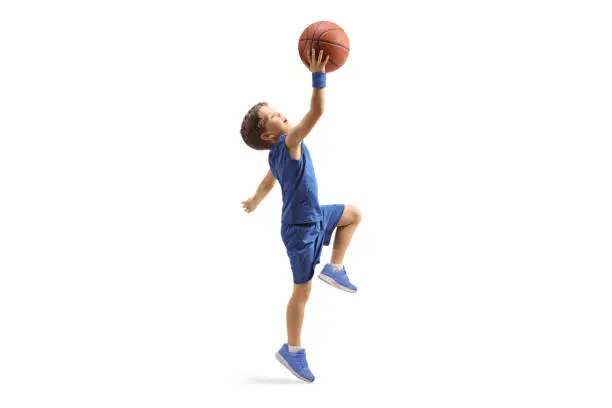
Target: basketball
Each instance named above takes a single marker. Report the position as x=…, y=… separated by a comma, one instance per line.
x=326, y=36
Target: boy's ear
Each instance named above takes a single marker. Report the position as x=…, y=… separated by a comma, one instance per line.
x=265, y=136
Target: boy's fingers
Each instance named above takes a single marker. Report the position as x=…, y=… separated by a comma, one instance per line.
x=320, y=56
x=308, y=55
x=326, y=59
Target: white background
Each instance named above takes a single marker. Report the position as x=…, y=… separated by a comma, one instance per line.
x=473, y=135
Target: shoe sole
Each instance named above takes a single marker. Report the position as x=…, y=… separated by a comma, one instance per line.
x=332, y=282
x=284, y=362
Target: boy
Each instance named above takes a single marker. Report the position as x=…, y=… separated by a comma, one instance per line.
x=305, y=225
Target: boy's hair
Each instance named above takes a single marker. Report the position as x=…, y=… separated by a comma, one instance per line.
x=251, y=129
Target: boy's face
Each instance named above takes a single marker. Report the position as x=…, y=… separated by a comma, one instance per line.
x=274, y=123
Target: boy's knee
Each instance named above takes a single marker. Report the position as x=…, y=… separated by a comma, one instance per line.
x=301, y=291
x=355, y=214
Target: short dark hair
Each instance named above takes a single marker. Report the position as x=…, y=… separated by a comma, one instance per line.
x=252, y=129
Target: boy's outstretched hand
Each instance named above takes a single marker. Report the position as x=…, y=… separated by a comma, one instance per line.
x=315, y=63
x=250, y=204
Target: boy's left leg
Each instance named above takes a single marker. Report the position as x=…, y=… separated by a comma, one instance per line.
x=351, y=217
x=345, y=226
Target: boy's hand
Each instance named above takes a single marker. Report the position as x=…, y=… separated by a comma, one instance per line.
x=250, y=204
x=315, y=63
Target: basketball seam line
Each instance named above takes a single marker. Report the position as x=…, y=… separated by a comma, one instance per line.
x=331, y=29
x=326, y=42
x=319, y=40
x=313, y=33
x=330, y=43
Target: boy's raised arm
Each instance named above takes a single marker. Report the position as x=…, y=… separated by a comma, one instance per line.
x=317, y=102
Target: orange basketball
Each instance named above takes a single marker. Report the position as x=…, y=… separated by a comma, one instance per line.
x=326, y=36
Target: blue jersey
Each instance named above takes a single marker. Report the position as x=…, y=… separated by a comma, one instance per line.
x=298, y=184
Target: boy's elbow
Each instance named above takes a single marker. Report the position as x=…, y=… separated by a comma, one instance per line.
x=318, y=110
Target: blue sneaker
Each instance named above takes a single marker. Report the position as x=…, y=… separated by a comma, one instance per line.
x=295, y=362
x=338, y=279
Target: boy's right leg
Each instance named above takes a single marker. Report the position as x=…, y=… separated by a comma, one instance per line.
x=295, y=360
x=295, y=312
x=301, y=243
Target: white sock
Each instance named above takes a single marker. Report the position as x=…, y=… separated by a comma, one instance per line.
x=337, y=267
x=294, y=349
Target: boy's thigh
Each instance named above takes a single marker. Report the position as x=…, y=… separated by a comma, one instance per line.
x=332, y=217
x=302, y=242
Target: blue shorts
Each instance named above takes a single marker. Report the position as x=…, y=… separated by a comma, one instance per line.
x=304, y=242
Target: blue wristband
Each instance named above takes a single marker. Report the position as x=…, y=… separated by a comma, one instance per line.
x=318, y=79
